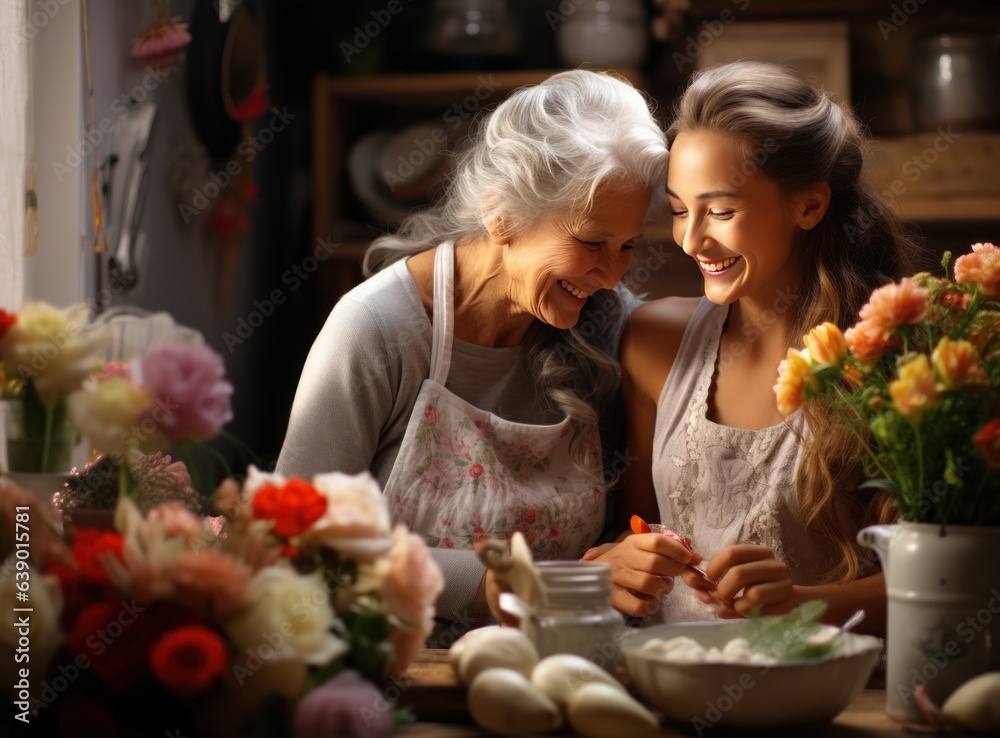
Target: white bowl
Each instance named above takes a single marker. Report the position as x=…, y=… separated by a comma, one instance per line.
x=746, y=695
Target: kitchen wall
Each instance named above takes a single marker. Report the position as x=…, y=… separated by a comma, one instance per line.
x=274, y=306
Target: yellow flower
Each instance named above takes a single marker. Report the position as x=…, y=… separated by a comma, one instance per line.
x=957, y=363
x=915, y=392
x=826, y=344
x=107, y=412
x=794, y=377
x=54, y=349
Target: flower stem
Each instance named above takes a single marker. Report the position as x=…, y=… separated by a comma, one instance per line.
x=47, y=443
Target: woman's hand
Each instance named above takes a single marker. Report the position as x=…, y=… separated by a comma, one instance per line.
x=748, y=576
x=642, y=570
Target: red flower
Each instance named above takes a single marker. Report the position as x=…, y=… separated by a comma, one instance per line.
x=476, y=471
x=91, y=547
x=987, y=440
x=187, y=660
x=529, y=516
x=478, y=534
x=6, y=321
x=293, y=508
x=555, y=531
x=447, y=543
x=115, y=635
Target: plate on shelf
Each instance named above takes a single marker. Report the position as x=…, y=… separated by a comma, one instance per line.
x=362, y=167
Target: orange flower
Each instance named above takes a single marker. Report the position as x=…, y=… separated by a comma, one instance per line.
x=987, y=440
x=826, y=344
x=957, y=363
x=852, y=377
x=869, y=341
x=187, y=660
x=293, y=508
x=894, y=305
x=794, y=377
x=982, y=268
x=915, y=392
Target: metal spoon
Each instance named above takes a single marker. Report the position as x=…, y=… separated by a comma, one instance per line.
x=834, y=634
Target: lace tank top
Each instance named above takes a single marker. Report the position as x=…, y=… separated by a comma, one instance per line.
x=722, y=485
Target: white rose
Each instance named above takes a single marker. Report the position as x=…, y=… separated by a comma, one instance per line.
x=45, y=599
x=55, y=349
x=356, y=522
x=290, y=618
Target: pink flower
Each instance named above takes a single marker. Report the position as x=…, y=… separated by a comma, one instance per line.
x=894, y=305
x=447, y=543
x=478, y=534
x=981, y=267
x=869, y=341
x=409, y=582
x=191, y=396
x=347, y=706
x=211, y=579
x=175, y=520
x=476, y=471
x=555, y=531
x=529, y=516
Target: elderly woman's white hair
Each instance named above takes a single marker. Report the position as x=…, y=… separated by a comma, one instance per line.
x=547, y=149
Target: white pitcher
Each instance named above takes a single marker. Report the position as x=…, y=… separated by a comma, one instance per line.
x=943, y=586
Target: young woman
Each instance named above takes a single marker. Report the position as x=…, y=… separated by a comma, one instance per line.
x=469, y=374
x=767, y=195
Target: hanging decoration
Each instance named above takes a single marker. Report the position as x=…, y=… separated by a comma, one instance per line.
x=100, y=237
x=163, y=38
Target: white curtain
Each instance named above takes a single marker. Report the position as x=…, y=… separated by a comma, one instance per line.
x=14, y=87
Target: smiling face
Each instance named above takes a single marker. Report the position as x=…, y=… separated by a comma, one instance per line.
x=556, y=264
x=740, y=229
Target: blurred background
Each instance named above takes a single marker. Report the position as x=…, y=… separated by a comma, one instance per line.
x=273, y=144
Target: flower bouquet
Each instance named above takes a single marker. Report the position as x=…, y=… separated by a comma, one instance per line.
x=917, y=381
x=45, y=354
x=278, y=618
x=174, y=394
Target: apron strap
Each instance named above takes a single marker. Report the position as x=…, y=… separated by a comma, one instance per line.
x=443, y=312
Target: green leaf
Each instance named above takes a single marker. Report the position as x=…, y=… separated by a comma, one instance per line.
x=787, y=637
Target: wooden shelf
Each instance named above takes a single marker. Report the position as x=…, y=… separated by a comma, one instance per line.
x=346, y=107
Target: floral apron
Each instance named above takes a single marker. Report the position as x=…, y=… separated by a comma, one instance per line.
x=464, y=474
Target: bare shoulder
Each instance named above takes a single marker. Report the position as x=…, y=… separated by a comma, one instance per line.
x=651, y=339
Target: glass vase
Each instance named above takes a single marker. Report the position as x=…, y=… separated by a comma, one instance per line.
x=39, y=439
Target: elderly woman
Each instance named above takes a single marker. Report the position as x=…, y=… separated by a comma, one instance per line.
x=468, y=374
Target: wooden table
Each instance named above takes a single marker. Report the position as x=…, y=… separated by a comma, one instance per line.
x=430, y=691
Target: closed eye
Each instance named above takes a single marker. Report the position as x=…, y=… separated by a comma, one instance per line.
x=722, y=214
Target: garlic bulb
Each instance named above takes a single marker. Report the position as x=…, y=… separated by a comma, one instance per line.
x=504, y=647
x=976, y=704
x=598, y=710
x=560, y=675
x=504, y=701
x=459, y=646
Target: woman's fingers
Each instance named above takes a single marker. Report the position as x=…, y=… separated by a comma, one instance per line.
x=749, y=577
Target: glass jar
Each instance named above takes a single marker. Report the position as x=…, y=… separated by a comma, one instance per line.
x=603, y=33
x=577, y=616
x=954, y=81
